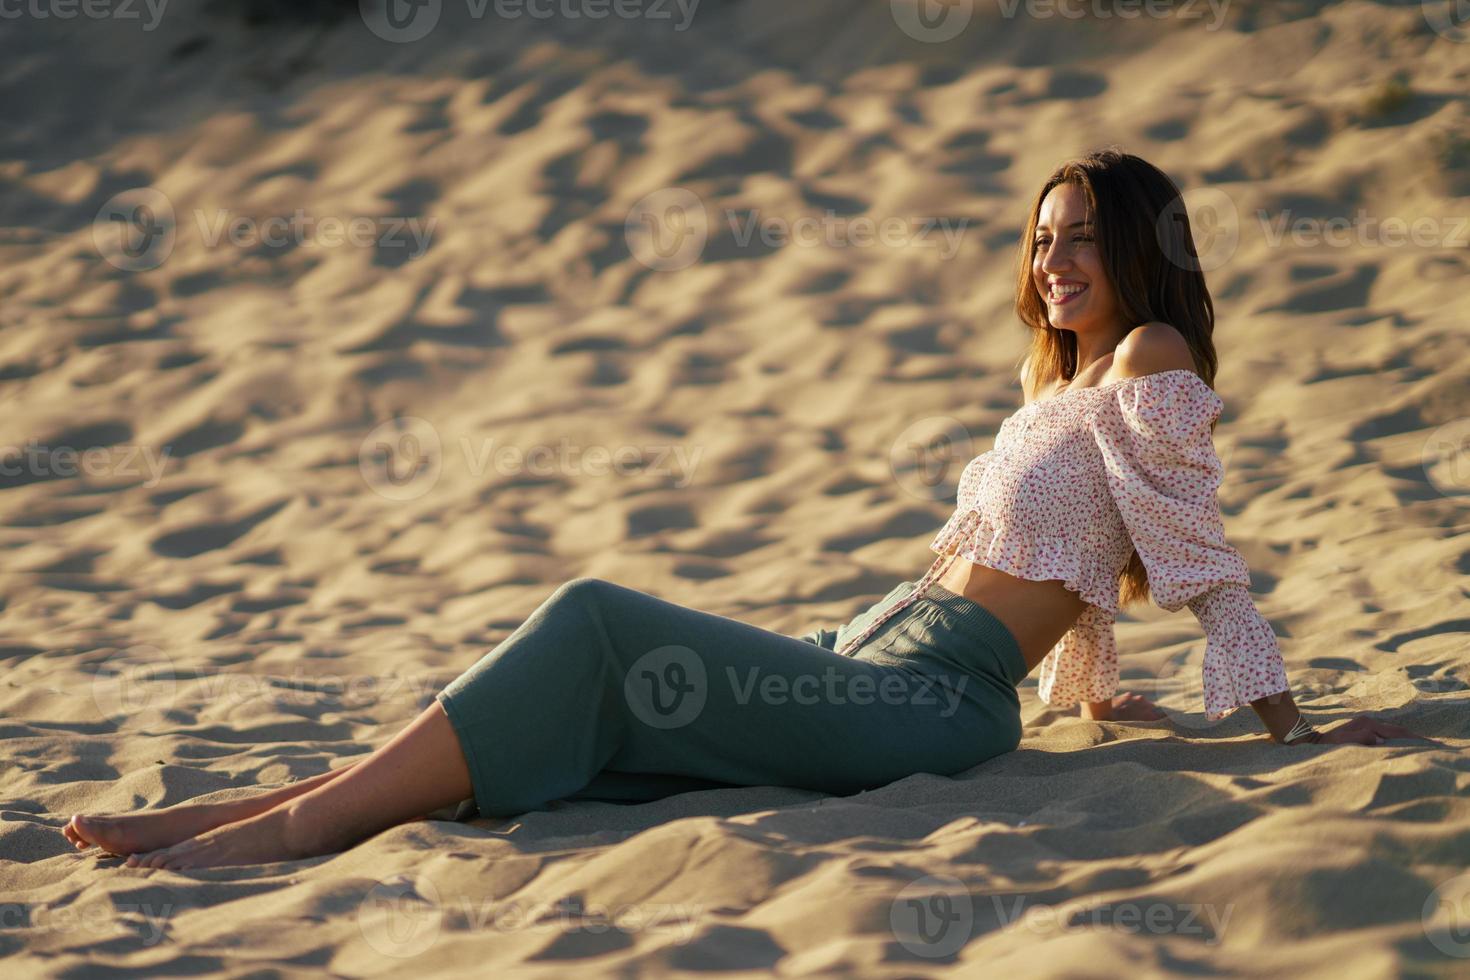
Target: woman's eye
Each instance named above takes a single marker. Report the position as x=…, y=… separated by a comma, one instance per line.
x=1043, y=242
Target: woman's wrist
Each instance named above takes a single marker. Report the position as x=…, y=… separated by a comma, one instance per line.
x=1301, y=731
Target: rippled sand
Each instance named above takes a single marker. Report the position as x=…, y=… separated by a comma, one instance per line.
x=248, y=581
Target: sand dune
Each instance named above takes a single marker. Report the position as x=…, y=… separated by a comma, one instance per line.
x=414, y=343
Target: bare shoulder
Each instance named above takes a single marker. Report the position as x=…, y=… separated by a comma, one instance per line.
x=1151, y=348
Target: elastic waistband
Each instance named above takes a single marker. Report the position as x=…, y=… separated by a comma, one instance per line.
x=982, y=622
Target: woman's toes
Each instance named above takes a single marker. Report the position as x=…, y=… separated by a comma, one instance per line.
x=86, y=828
x=174, y=859
x=168, y=857
x=144, y=860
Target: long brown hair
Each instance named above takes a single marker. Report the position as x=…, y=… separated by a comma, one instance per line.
x=1147, y=250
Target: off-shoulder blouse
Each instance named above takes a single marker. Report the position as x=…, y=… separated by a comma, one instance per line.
x=1076, y=482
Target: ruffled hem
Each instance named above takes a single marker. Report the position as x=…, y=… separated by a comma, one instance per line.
x=1083, y=665
x=1059, y=692
x=1060, y=700
x=1243, y=661
x=1035, y=557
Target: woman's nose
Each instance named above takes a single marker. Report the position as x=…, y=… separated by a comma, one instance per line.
x=1055, y=257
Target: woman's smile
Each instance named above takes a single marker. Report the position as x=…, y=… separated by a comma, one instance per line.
x=1063, y=291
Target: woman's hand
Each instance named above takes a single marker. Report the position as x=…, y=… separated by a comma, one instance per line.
x=1124, y=707
x=1365, y=730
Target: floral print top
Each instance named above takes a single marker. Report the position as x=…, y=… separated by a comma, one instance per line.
x=1074, y=484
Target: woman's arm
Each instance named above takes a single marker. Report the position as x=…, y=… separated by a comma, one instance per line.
x=1155, y=437
x=1279, y=713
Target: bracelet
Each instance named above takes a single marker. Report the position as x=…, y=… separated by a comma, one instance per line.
x=1299, y=731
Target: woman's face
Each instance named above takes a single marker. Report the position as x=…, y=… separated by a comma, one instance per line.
x=1066, y=268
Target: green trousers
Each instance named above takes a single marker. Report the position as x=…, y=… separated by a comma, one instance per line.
x=609, y=693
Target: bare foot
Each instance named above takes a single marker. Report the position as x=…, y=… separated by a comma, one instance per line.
x=132, y=833
x=1135, y=707
x=260, y=839
x=1128, y=706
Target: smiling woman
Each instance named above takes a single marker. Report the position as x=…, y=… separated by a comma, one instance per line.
x=1112, y=230
x=1091, y=498
x=1107, y=480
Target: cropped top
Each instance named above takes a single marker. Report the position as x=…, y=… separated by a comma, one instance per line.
x=1075, y=483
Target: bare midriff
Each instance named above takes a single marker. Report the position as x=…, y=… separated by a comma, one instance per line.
x=1038, y=614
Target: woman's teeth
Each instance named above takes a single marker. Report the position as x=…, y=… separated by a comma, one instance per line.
x=1061, y=294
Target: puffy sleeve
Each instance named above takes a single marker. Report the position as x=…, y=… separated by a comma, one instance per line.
x=1083, y=666
x=1163, y=475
